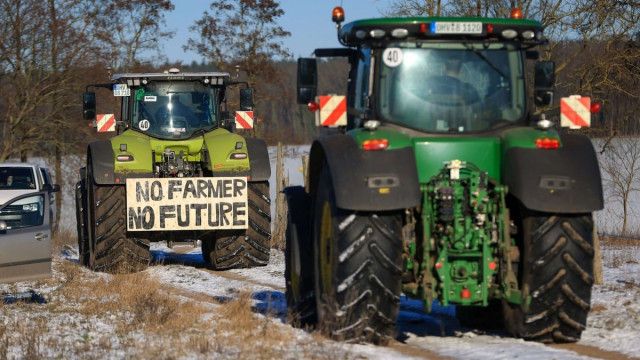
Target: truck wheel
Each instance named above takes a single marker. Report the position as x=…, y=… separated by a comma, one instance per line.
x=248, y=248
x=298, y=273
x=110, y=250
x=357, y=260
x=557, y=272
x=81, y=226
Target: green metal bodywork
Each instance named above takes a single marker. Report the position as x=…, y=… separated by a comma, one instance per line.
x=483, y=150
x=218, y=143
x=464, y=247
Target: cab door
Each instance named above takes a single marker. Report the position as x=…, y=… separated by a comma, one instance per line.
x=25, y=238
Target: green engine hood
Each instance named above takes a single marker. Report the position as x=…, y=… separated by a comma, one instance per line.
x=217, y=145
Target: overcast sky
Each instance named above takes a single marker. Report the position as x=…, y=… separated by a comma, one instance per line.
x=309, y=22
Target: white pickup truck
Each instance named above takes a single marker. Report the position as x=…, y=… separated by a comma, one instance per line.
x=27, y=214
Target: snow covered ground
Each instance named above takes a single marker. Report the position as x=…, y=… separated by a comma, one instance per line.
x=89, y=315
x=79, y=318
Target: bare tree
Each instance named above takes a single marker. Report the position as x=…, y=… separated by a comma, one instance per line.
x=621, y=167
x=243, y=33
x=131, y=29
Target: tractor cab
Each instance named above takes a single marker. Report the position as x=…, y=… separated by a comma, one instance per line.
x=437, y=74
x=170, y=105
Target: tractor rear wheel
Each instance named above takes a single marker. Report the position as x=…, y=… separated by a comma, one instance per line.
x=81, y=223
x=357, y=259
x=232, y=249
x=110, y=249
x=556, y=270
x=298, y=273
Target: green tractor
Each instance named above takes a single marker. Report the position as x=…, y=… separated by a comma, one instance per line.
x=175, y=171
x=443, y=185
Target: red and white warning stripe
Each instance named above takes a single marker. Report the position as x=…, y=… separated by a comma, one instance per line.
x=333, y=111
x=244, y=119
x=575, y=112
x=106, y=122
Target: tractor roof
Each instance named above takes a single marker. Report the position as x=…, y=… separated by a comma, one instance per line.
x=438, y=28
x=215, y=77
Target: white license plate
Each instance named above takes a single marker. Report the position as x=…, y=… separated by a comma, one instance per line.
x=443, y=27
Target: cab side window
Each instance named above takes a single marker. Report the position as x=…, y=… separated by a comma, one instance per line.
x=362, y=79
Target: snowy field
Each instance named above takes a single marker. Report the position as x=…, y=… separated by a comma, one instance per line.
x=91, y=315
x=179, y=309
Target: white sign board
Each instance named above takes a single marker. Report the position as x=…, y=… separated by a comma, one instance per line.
x=170, y=204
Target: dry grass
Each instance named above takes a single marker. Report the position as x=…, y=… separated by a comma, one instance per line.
x=618, y=242
x=143, y=301
x=597, y=308
x=93, y=315
x=620, y=251
x=63, y=238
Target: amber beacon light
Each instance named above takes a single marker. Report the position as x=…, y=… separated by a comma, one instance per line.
x=337, y=14
x=516, y=13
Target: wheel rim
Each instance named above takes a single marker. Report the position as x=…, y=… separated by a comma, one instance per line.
x=326, y=249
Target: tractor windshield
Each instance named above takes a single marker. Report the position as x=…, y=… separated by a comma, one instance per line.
x=175, y=110
x=451, y=87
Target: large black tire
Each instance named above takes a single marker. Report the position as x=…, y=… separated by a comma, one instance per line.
x=357, y=268
x=298, y=273
x=244, y=249
x=110, y=249
x=556, y=270
x=81, y=223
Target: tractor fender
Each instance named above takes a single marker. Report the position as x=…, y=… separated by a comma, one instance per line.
x=563, y=180
x=365, y=180
x=101, y=159
x=260, y=167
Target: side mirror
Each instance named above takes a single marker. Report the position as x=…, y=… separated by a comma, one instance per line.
x=544, y=82
x=246, y=99
x=89, y=105
x=307, y=80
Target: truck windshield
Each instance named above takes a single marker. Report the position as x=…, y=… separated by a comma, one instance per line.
x=451, y=87
x=175, y=110
x=17, y=178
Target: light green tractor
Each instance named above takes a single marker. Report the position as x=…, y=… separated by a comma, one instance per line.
x=175, y=171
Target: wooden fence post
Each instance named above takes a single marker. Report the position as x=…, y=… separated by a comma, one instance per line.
x=597, y=259
x=278, y=240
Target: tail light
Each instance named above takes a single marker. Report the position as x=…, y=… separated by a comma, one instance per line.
x=547, y=143
x=465, y=293
x=375, y=144
x=313, y=106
